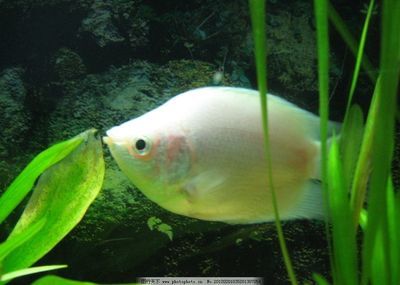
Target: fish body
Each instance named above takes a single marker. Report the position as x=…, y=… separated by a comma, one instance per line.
x=201, y=154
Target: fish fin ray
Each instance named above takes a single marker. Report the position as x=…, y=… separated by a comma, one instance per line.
x=311, y=205
x=204, y=183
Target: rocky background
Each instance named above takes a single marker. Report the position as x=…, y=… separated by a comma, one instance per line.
x=66, y=66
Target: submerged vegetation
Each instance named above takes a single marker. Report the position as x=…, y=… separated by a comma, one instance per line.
x=346, y=166
x=357, y=179
x=71, y=175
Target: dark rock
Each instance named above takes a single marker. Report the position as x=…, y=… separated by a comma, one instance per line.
x=99, y=24
x=110, y=22
x=14, y=120
x=68, y=65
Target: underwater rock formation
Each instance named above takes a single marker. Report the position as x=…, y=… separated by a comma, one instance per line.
x=14, y=120
x=67, y=65
x=99, y=24
x=110, y=22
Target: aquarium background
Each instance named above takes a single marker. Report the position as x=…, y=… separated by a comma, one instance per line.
x=67, y=66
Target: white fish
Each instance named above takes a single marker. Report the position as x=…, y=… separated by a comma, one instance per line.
x=201, y=154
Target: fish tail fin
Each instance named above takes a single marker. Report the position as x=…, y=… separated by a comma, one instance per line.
x=311, y=205
x=315, y=127
x=333, y=129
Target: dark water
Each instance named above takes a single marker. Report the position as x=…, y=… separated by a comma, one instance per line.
x=66, y=66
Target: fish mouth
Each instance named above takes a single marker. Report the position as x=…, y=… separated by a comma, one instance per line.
x=107, y=140
x=111, y=143
x=116, y=136
x=110, y=137
x=113, y=138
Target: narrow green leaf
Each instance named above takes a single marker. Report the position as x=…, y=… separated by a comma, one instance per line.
x=350, y=142
x=257, y=12
x=359, y=57
x=320, y=279
x=379, y=270
x=396, y=257
x=25, y=180
x=27, y=271
x=323, y=77
x=349, y=39
x=339, y=205
x=363, y=166
x=55, y=280
x=353, y=131
x=394, y=233
x=321, y=19
x=61, y=196
x=383, y=144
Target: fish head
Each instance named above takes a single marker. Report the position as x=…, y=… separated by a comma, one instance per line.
x=155, y=155
x=134, y=149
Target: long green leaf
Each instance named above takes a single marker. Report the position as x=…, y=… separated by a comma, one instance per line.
x=320, y=279
x=363, y=166
x=321, y=17
x=55, y=280
x=323, y=78
x=350, y=143
x=257, y=11
x=61, y=196
x=348, y=38
x=345, y=260
x=27, y=271
x=359, y=57
x=25, y=180
x=394, y=233
x=383, y=144
x=379, y=271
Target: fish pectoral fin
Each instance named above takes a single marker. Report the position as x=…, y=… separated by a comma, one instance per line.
x=204, y=183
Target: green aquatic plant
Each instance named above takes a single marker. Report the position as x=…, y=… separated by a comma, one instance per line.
x=379, y=260
x=155, y=223
x=257, y=12
x=27, y=271
x=51, y=280
x=21, y=185
x=350, y=41
x=355, y=156
x=71, y=175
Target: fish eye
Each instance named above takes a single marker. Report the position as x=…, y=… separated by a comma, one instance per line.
x=142, y=146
